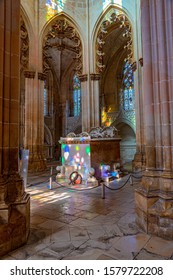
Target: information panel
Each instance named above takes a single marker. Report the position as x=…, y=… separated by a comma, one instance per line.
x=24, y=166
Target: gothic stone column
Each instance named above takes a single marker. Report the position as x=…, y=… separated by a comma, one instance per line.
x=34, y=120
x=94, y=102
x=64, y=119
x=85, y=102
x=154, y=200
x=139, y=158
x=14, y=202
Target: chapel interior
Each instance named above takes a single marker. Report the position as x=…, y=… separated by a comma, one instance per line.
x=101, y=70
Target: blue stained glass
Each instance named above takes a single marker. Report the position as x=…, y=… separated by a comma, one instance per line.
x=128, y=87
x=45, y=99
x=60, y=3
x=76, y=96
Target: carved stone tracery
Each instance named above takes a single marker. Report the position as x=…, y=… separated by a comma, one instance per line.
x=24, y=45
x=115, y=20
x=62, y=36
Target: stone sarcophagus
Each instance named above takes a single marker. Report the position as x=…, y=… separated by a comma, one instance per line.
x=86, y=150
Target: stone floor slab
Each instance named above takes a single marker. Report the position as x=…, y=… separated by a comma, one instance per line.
x=67, y=224
x=160, y=246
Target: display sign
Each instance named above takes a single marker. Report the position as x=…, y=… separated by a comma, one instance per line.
x=24, y=165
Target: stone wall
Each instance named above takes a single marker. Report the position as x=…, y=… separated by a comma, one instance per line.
x=154, y=199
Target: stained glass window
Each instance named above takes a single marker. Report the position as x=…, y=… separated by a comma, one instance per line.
x=128, y=87
x=45, y=100
x=53, y=7
x=76, y=96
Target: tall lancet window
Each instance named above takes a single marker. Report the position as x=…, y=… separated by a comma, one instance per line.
x=76, y=96
x=128, y=87
x=45, y=100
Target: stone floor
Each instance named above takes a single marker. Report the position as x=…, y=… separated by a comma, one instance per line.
x=71, y=224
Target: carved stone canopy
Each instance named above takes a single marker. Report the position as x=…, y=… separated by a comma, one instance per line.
x=24, y=45
x=62, y=48
x=114, y=32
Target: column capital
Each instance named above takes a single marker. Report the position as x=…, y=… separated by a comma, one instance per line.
x=83, y=77
x=29, y=74
x=95, y=77
x=41, y=76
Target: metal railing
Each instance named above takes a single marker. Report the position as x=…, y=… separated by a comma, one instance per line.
x=113, y=185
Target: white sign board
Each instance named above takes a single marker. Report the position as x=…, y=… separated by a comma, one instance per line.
x=24, y=166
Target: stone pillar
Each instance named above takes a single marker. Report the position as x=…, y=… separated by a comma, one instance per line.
x=63, y=111
x=14, y=202
x=155, y=198
x=95, y=93
x=34, y=120
x=22, y=117
x=85, y=99
x=139, y=158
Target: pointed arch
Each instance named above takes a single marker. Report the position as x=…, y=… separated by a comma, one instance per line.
x=28, y=23
x=61, y=16
x=123, y=120
x=64, y=15
x=56, y=34
x=48, y=136
x=99, y=26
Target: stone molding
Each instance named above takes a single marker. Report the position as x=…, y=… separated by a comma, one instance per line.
x=95, y=77
x=24, y=45
x=29, y=74
x=141, y=61
x=41, y=76
x=83, y=78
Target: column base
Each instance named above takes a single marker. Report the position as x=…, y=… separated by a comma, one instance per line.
x=154, y=206
x=36, y=163
x=14, y=224
x=138, y=162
